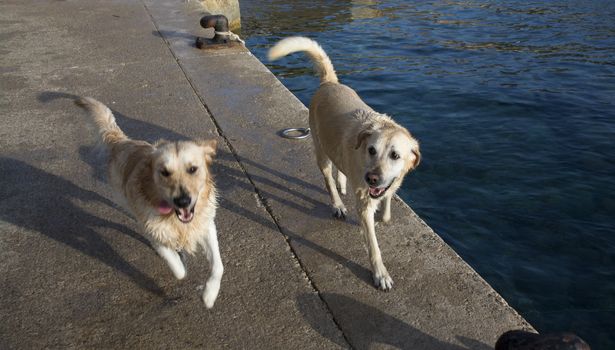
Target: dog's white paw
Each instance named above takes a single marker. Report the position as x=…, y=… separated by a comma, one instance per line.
x=173, y=260
x=386, y=218
x=179, y=272
x=211, y=293
x=383, y=281
x=340, y=213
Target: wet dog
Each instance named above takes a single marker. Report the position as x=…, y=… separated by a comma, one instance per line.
x=368, y=148
x=169, y=189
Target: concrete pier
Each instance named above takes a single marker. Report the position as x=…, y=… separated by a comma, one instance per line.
x=75, y=271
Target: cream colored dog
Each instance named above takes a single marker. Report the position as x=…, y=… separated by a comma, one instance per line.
x=367, y=147
x=169, y=189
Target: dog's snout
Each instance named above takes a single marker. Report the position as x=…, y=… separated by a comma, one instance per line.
x=372, y=179
x=183, y=201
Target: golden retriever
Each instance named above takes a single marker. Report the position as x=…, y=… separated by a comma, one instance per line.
x=368, y=148
x=169, y=189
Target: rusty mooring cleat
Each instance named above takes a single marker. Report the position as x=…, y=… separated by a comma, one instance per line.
x=522, y=340
x=223, y=36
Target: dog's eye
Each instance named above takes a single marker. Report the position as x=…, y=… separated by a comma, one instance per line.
x=371, y=150
x=394, y=155
x=165, y=173
x=192, y=170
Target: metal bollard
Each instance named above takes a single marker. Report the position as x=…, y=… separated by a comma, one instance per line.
x=220, y=39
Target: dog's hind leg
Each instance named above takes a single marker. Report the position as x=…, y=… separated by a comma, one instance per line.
x=212, y=251
x=326, y=167
x=173, y=260
x=381, y=276
x=341, y=181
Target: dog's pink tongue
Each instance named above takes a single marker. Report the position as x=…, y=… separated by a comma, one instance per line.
x=164, y=208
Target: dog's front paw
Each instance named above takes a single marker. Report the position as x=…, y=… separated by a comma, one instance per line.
x=211, y=293
x=179, y=272
x=386, y=218
x=174, y=261
x=383, y=281
x=340, y=213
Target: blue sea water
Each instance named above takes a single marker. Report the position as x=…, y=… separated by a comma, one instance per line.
x=514, y=105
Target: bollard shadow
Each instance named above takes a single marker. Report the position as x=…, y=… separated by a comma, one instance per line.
x=227, y=179
x=189, y=38
x=39, y=201
x=173, y=34
x=365, y=326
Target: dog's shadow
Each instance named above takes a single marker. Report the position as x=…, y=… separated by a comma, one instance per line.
x=229, y=178
x=48, y=207
x=371, y=326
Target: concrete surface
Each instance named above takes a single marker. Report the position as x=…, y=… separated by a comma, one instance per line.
x=76, y=273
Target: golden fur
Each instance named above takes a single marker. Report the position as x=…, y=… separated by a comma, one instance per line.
x=149, y=179
x=361, y=143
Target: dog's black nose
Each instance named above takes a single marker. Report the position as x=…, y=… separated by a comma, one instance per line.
x=372, y=179
x=182, y=201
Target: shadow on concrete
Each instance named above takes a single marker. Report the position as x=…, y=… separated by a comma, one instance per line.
x=228, y=178
x=473, y=343
x=189, y=37
x=142, y=130
x=370, y=326
x=174, y=34
x=39, y=201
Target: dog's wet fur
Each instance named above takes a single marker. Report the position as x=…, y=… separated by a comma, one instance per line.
x=368, y=148
x=169, y=189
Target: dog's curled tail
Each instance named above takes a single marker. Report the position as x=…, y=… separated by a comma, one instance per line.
x=314, y=51
x=110, y=132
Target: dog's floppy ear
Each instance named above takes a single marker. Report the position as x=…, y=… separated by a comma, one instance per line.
x=417, y=160
x=365, y=133
x=411, y=165
x=209, y=147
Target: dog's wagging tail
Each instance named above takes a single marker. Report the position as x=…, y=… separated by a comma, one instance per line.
x=323, y=64
x=110, y=132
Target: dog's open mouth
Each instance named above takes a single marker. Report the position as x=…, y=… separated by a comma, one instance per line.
x=377, y=192
x=184, y=215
